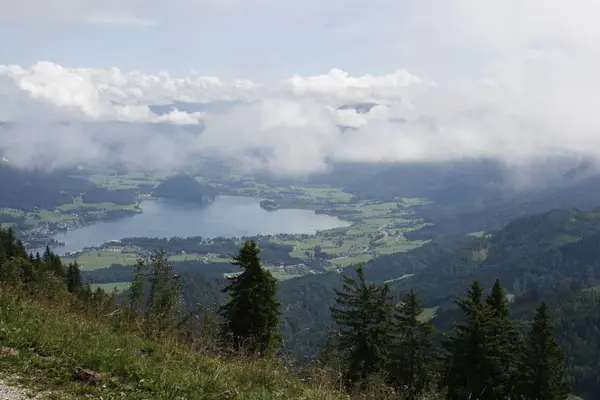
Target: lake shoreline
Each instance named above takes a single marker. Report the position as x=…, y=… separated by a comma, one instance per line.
x=219, y=216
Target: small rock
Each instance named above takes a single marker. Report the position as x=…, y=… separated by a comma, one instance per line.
x=9, y=351
x=87, y=375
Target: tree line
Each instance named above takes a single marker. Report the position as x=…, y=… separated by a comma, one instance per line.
x=486, y=357
x=45, y=272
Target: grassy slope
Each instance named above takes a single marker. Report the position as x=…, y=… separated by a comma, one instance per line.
x=53, y=342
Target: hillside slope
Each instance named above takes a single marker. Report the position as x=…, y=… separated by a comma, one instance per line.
x=182, y=187
x=556, y=250
x=66, y=352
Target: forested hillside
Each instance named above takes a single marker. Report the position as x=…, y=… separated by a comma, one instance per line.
x=471, y=196
x=60, y=339
x=550, y=256
x=381, y=347
x=183, y=187
x=31, y=189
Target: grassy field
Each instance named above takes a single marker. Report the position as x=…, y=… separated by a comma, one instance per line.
x=378, y=229
x=13, y=212
x=103, y=258
x=429, y=313
x=32, y=218
x=129, y=181
x=113, y=286
x=279, y=274
x=197, y=257
x=49, y=342
x=75, y=206
x=92, y=260
x=47, y=216
x=97, y=259
x=64, y=212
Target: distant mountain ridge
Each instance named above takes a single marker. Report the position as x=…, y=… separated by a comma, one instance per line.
x=183, y=187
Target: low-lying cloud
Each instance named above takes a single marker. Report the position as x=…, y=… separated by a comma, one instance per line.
x=532, y=93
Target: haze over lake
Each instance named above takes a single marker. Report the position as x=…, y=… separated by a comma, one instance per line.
x=228, y=216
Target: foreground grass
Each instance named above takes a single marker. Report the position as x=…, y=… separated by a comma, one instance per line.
x=52, y=343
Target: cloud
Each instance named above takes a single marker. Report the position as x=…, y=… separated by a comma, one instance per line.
x=120, y=19
x=507, y=79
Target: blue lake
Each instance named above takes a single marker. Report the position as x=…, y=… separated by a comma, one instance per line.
x=228, y=216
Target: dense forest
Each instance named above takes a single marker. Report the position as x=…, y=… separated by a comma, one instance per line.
x=379, y=341
x=471, y=196
x=183, y=187
x=31, y=189
x=550, y=257
x=117, y=196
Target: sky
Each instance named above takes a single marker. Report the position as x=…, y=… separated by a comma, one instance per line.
x=510, y=79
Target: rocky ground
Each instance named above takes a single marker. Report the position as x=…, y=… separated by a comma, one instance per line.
x=11, y=392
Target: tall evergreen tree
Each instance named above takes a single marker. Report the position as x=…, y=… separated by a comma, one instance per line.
x=3, y=255
x=468, y=359
x=19, y=250
x=413, y=354
x=498, y=301
x=136, y=288
x=163, y=305
x=503, y=343
x=364, y=314
x=542, y=374
x=251, y=316
x=52, y=263
x=73, y=278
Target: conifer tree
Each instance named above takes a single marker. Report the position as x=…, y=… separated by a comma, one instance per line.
x=364, y=315
x=136, y=288
x=542, y=374
x=3, y=256
x=503, y=342
x=19, y=250
x=413, y=353
x=251, y=316
x=467, y=362
x=9, y=241
x=73, y=278
x=163, y=303
x=498, y=301
x=52, y=263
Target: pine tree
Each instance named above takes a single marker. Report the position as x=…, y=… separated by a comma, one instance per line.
x=136, y=288
x=251, y=316
x=9, y=241
x=498, y=301
x=163, y=303
x=467, y=361
x=52, y=263
x=19, y=250
x=542, y=374
x=364, y=315
x=413, y=353
x=73, y=278
x=3, y=256
x=503, y=343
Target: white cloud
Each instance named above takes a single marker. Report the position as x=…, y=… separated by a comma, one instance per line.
x=120, y=19
x=526, y=88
